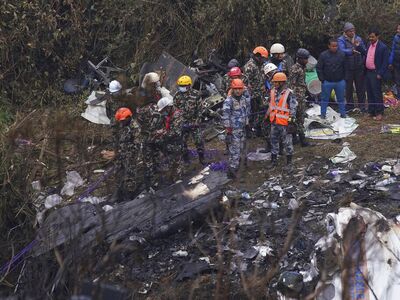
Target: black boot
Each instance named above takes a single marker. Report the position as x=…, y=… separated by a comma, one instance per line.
x=231, y=173
x=201, y=158
x=295, y=139
x=267, y=148
x=185, y=157
x=274, y=161
x=303, y=141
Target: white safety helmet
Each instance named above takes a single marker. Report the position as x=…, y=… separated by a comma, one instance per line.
x=114, y=86
x=151, y=77
x=277, y=49
x=164, y=102
x=269, y=67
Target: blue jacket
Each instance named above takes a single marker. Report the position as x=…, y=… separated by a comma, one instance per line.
x=394, y=58
x=353, y=60
x=381, y=58
x=235, y=112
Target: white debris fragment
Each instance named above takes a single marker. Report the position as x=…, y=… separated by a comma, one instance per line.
x=205, y=258
x=387, y=168
x=180, y=253
x=107, y=207
x=74, y=180
x=293, y=204
x=345, y=156
x=264, y=250
x=52, y=200
x=36, y=186
x=94, y=200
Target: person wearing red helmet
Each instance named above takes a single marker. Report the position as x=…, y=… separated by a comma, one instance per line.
x=235, y=113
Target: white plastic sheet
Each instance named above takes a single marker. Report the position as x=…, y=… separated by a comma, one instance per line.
x=344, y=156
x=96, y=113
x=74, y=180
x=331, y=128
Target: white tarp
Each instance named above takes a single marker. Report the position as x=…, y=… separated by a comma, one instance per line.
x=367, y=246
x=331, y=128
x=96, y=113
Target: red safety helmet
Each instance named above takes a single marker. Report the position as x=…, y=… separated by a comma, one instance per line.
x=123, y=113
x=235, y=71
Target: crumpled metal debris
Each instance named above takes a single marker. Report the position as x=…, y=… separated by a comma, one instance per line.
x=74, y=180
x=52, y=200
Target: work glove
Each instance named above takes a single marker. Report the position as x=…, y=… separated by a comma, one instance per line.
x=292, y=120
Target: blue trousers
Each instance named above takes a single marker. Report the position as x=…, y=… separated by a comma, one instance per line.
x=374, y=93
x=339, y=87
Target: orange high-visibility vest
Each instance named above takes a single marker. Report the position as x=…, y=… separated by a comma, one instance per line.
x=279, y=113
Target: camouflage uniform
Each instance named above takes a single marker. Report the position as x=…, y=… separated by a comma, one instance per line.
x=297, y=82
x=279, y=132
x=171, y=139
x=189, y=103
x=126, y=149
x=235, y=116
x=255, y=81
x=150, y=121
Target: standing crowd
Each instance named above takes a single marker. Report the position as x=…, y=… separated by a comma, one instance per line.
x=266, y=96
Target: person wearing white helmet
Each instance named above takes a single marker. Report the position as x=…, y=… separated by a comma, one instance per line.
x=114, y=92
x=170, y=135
x=277, y=57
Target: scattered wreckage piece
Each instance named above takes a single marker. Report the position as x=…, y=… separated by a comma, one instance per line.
x=368, y=247
x=151, y=215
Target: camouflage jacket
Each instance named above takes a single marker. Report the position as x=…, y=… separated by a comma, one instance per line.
x=150, y=120
x=190, y=105
x=254, y=78
x=126, y=142
x=235, y=112
x=172, y=129
x=297, y=81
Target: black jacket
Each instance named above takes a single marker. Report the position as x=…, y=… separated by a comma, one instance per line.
x=331, y=66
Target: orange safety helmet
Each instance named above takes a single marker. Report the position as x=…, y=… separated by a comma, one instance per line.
x=237, y=84
x=279, y=77
x=123, y=113
x=261, y=50
x=235, y=71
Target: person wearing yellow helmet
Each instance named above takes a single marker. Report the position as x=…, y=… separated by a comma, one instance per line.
x=188, y=100
x=282, y=112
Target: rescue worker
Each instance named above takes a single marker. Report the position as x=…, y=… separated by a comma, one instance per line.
x=170, y=135
x=297, y=82
x=235, y=117
x=149, y=120
x=234, y=73
x=282, y=113
x=277, y=57
x=126, y=150
x=269, y=70
x=189, y=102
x=253, y=71
x=114, y=91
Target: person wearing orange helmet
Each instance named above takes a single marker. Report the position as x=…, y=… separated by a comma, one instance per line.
x=282, y=113
x=235, y=117
x=126, y=150
x=254, y=73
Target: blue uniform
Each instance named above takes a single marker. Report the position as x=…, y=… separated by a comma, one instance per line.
x=236, y=111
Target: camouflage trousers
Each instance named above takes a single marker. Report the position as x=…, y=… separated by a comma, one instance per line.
x=150, y=157
x=236, y=142
x=197, y=136
x=128, y=179
x=300, y=115
x=278, y=133
x=173, y=151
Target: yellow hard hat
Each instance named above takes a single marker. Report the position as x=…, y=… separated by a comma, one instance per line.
x=184, y=80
